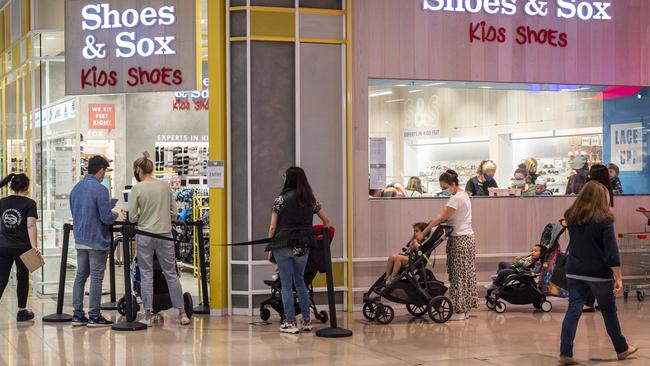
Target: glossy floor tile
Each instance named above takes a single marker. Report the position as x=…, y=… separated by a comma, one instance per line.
x=518, y=337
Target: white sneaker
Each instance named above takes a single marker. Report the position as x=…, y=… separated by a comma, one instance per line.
x=307, y=326
x=183, y=320
x=458, y=317
x=147, y=320
x=289, y=328
x=490, y=286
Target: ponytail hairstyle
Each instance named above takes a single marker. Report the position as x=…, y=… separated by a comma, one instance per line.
x=450, y=177
x=144, y=163
x=16, y=182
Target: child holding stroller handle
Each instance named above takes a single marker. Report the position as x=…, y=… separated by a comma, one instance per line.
x=396, y=261
x=507, y=268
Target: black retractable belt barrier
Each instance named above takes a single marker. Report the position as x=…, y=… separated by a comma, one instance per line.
x=333, y=331
x=204, y=306
x=128, y=234
x=112, y=304
x=59, y=316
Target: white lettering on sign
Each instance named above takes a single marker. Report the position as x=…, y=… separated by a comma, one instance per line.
x=128, y=44
x=567, y=9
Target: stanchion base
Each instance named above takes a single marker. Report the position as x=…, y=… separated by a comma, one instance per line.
x=201, y=310
x=109, y=306
x=57, y=318
x=334, y=333
x=129, y=326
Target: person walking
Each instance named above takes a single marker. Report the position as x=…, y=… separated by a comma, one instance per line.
x=461, y=247
x=153, y=208
x=18, y=234
x=92, y=215
x=291, y=230
x=593, y=266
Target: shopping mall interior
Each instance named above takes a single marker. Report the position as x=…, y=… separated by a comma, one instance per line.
x=486, y=119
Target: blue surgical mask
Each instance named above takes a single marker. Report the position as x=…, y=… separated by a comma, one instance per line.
x=520, y=183
x=488, y=178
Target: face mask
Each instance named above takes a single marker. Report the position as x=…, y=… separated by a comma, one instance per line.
x=488, y=178
x=137, y=177
x=520, y=183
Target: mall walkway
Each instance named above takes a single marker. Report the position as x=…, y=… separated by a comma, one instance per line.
x=517, y=337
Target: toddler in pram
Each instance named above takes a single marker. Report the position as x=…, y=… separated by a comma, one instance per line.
x=414, y=285
x=396, y=261
x=532, y=262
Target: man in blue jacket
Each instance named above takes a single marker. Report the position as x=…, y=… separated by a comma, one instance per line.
x=92, y=215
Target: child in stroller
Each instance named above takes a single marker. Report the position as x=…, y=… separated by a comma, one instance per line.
x=396, y=261
x=523, y=286
x=533, y=261
x=315, y=265
x=415, y=285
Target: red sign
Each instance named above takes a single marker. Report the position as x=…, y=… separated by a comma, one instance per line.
x=101, y=117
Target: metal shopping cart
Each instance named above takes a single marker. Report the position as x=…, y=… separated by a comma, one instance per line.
x=635, y=252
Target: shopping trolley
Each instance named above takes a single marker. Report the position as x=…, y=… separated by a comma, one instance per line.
x=635, y=250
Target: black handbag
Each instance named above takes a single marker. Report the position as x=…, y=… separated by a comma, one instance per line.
x=559, y=273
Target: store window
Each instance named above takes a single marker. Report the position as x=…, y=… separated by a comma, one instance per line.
x=548, y=133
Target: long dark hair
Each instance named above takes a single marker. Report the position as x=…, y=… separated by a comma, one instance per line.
x=590, y=206
x=296, y=180
x=16, y=182
x=600, y=173
x=450, y=177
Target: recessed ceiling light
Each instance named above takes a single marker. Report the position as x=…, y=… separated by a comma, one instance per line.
x=380, y=93
x=433, y=84
x=415, y=91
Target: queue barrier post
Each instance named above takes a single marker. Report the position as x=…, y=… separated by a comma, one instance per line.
x=333, y=331
x=112, y=304
x=128, y=234
x=59, y=316
x=204, y=306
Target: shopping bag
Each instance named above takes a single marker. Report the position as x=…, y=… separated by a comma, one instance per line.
x=32, y=259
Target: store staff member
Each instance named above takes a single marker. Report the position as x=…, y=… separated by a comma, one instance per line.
x=484, y=179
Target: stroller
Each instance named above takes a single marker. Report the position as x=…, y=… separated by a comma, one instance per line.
x=525, y=286
x=161, y=299
x=415, y=286
x=315, y=265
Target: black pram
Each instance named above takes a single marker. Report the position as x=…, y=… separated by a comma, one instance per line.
x=315, y=265
x=415, y=286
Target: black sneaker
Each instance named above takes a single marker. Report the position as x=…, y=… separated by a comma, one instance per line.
x=99, y=322
x=79, y=321
x=24, y=316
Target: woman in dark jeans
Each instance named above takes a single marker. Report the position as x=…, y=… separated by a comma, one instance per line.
x=17, y=235
x=593, y=266
x=291, y=230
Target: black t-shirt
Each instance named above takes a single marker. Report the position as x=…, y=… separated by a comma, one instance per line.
x=14, y=211
x=476, y=188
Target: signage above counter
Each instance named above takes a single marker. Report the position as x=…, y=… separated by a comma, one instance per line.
x=125, y=46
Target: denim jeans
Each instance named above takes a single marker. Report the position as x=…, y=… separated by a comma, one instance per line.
x=164, y=251
x=89, y=263
x=292, y=272
x=579, y=292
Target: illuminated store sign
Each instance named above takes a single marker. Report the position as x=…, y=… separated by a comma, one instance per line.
x=568, y=9
x=483, y=32
x=124, y=46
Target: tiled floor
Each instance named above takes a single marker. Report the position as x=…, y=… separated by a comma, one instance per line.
x=518, y=337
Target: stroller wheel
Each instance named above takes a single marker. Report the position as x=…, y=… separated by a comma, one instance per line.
x=537, y=306
x=500, y=307
x=369, y=311
x=121, y=306
x=265, y=314
x=385, y=314
x=440, y=309
x=640, y=295
x=323, y=317
x=416, y=310
x=546, y=306
x=189, y=304
x=490, y=304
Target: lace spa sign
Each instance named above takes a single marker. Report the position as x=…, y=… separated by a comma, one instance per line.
x=129, y=46
x=487, y=32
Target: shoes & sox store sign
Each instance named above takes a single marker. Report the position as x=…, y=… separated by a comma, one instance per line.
x=485, y=32
x=129, y=46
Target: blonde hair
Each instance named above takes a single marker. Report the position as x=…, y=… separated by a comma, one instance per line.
x=484, y=166
x=529, y=163
x=415, y=184
x=144, y=163
x=591, y=205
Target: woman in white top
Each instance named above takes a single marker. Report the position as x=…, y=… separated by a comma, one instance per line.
x=414, y=188
x=461, y=246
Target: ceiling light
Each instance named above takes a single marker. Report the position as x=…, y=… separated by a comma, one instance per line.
x=470, y=139
x=433, y=84
x=394, y=101
x=380, y=93
x=415, y=91
x=530, y=135
x=579, y=131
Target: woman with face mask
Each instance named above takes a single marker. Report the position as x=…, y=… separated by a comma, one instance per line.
x=483, y=181
x=154, y=209
x=520, y=182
